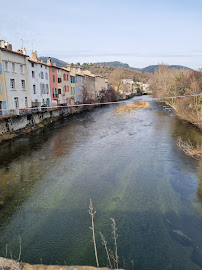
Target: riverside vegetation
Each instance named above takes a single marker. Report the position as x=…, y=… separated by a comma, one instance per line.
x=166, y=82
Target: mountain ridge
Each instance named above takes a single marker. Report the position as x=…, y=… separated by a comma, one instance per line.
x=149, y=69
x=114, y=64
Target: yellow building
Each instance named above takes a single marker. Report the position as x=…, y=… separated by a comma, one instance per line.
x=3, y=104
x=73, y=88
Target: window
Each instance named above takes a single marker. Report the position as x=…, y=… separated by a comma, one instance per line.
x=0, y=69
x=55, y=92
x=12, y=84
x=46, y=76
x=47, y=89
x=64, y=77
x=26, y=102
x=16, y=102
x=59, y=91
x=32, y=64
x=67, y=88
x=13, y=67
x=22, y=69
x=45, y=67
x=34, y=89
x=42, y=75
x=23, y=84
x=42, y=88
x=33, y=74
x=53, y=78
x=59, y=80
x=6, y=66
x=41, y=66
x=53, y=70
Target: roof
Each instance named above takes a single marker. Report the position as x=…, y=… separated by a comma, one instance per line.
x=38, y=62
x=6, y=50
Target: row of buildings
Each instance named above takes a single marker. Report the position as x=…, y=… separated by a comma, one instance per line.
x=26, y=82
x=129, y=87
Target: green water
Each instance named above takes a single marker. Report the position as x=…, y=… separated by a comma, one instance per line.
x=131, y=168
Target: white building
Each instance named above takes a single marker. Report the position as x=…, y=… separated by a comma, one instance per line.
x=15, y=77
x=39, y=82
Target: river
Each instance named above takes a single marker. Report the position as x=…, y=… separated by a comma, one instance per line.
x=131, y=168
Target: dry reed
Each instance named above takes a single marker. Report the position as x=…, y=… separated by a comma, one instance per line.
x=92, y=213
x=189, y=149
x=134, y=106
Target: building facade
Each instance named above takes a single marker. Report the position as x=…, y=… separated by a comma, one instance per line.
x=53, y=83
x=73, y=88
x=64, y=95
x=14, y=79
x=39, y=81
x=3, y=102
x=79, y=80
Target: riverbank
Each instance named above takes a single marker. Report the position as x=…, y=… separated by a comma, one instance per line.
x=187, y=116
x=7, y=264
x=18, y=125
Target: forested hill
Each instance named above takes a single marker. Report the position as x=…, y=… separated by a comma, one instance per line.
x=150, y=69
x=115, y=64
x=59, y=63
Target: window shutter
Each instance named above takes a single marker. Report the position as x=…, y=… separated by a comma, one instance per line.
x=0, y=68
x=4, y=107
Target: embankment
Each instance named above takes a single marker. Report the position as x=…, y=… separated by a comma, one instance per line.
x=13, y=126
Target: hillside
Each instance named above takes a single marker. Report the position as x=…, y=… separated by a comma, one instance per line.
x=109, y=71
x=114, y=64
x=150, y=69
x=59, y=63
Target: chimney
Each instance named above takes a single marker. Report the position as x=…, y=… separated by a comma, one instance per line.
x=49, y=61
x=5, y=45
x=68, y=67
x=34, y=56
x=19, y=51
x=24, y=52
x=54, y=64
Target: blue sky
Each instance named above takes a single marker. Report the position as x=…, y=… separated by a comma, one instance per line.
x=139, y=33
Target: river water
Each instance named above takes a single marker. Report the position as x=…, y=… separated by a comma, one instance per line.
x=131, y=168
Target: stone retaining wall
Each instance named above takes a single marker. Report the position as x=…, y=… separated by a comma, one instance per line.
x=12, y=126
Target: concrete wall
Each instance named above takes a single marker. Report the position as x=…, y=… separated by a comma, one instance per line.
x=17, y=123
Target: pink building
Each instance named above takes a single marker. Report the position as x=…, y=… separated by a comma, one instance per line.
x=53, y=82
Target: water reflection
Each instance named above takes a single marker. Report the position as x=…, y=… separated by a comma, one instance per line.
x=133, y=171
x=199, y=192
